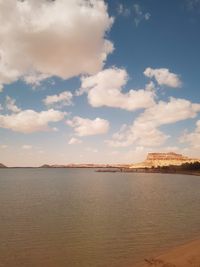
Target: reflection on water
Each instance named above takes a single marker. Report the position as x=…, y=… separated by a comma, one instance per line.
x=80, y=218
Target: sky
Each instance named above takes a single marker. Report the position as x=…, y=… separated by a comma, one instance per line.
x=93, y=81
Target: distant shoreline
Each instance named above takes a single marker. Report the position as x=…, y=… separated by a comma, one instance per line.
x=115, y=169
x=196, y=173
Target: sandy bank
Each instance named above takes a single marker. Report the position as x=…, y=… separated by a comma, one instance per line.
x=187, y=255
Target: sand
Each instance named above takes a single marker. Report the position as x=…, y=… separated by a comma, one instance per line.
x=187, y=255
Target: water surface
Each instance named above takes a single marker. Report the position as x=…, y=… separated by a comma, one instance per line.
x=81, y=218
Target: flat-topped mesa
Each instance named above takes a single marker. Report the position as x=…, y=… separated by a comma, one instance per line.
x=164, y=159
x=166, y=156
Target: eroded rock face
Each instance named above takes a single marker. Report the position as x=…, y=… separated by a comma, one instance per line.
x=163, y=159
x=166, y=156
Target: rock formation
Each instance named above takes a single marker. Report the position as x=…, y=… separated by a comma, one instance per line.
x=164, y=159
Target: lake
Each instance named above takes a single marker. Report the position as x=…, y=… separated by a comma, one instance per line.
x=82, y=218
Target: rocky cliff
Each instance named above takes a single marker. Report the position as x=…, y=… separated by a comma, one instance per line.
x=164, y=159
x=166, y=156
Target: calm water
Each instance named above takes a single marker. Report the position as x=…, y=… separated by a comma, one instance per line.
x=80, y=218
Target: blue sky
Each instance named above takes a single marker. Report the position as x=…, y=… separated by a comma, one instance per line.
x=105, y=83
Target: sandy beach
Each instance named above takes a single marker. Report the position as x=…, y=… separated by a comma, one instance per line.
x=187, y=255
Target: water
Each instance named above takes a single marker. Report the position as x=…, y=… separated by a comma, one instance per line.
x=81, y=218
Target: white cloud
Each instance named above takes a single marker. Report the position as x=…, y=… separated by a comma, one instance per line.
x=35, y=78
x=52, y=38
x=176, y=109
x=63, y=99
x=105, y=89
x=74, y=141
x=139, y=15
x=193, y=138
x=28, y=121
x=163, y=77
x=85, y=127
x=27, y=147
x=140, y=134
x=145, y=129
x=11, y=106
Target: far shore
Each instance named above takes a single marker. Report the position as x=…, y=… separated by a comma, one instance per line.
x=116, y=169
x=185, y=255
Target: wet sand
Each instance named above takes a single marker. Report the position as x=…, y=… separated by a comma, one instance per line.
x=187, y=255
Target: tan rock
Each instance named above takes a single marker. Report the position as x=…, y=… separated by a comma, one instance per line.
x=164, y=159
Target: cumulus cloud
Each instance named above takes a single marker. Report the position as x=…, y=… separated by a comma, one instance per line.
x=193, y=138
x=145, y=129
x=86, y=127
x=29, y=121
x=52, y=38
x=74, y=141
x=11, y=106
x=176, y=109
x=105, y=89
x=140, y=134
x=62, y=99
x=163, y=77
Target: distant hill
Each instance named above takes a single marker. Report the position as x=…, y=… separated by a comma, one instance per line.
x=45, y=166
x=86, y=165
x=2, y=166
x=52, y=166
